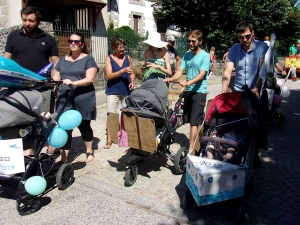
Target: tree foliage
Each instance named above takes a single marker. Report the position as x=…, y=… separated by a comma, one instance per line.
x=218, y=19
x=126, y=33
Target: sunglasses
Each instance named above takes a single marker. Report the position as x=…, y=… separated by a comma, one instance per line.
x=76, y=42
x=247, y=36
x=193, y=41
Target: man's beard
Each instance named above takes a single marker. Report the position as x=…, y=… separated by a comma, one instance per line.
x=31, y=30
x=195, y=48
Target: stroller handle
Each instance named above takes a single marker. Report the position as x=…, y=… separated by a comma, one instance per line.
x=218, y=141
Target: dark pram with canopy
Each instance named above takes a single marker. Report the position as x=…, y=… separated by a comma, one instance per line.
x=149, y=126
x=20, y=108
x=214, y=180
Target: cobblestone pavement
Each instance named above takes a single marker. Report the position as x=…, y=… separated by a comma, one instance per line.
x=276, y=195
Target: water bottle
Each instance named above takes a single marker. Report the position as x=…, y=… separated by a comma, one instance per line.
x=157, y=139
x=173, y=118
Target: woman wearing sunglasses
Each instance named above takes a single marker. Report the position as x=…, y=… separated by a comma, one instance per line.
x=120, y=82
x=79, y=70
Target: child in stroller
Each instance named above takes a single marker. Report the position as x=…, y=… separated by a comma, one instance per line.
x=227, y=153
x=18, y=124
x=219, y=176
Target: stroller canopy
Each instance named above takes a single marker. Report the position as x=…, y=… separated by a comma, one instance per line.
x=11, y=116
x=149, y=100
x=242, y=103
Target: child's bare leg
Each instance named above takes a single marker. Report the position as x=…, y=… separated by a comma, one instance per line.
x=229, y=155
x=210, y=152
x=28, y=152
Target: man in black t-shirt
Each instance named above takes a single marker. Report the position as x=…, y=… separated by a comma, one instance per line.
x=30, y=46
x=33, y=49
x=173, y=54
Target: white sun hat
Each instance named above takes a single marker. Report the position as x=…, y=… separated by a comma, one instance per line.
x=154, y=39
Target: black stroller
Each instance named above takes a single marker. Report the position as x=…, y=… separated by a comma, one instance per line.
x=20, y=112
x=149, y=126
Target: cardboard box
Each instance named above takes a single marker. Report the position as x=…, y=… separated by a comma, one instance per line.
x=213, y=181
x=175, y=89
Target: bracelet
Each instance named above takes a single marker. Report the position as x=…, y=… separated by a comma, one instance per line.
x=158, y=67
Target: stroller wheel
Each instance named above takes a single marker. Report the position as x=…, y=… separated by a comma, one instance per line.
x=187, y=200
x=179, y=122
x=131, y=175
x=281, y=119
x=241, y=212
x=27, y=205
x=180, y=160
x=65, y=176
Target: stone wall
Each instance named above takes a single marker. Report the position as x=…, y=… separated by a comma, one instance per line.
x=4, y=13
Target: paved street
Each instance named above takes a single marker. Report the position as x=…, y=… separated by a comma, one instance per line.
x=98, y=195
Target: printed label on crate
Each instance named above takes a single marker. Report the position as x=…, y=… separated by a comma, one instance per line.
x=11, y=156
x=175, y=88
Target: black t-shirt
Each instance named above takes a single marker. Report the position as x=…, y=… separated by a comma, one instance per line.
x=31, y=53
x=172, y=55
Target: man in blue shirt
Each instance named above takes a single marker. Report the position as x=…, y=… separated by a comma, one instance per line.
x=247, y=58
x=196, y=62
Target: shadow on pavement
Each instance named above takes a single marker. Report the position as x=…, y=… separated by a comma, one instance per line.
x=146, y=165
x=181, y=139
x=275, y=198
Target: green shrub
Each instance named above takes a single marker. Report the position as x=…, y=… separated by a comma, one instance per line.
x=126, y=33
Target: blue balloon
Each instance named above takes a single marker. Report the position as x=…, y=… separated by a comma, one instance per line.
x=58, y=137
x=35, y=185
x=70, y=119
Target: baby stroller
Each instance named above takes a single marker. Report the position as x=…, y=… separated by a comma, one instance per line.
x=274, y=99
x=20, y=118
x=149, y=127
x=39, y=164
x=215, y=180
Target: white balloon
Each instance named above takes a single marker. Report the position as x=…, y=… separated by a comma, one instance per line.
x=285, y=92
x=280, y=83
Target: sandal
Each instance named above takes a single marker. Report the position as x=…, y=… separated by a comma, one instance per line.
x=107, y=145
x=88, y=154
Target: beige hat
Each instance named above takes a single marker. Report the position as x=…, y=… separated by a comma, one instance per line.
x=154, y=39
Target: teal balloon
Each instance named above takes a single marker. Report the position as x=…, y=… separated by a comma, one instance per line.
x=35, y=185
x=70, y=119
x=58, y=137
x=293, y=49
